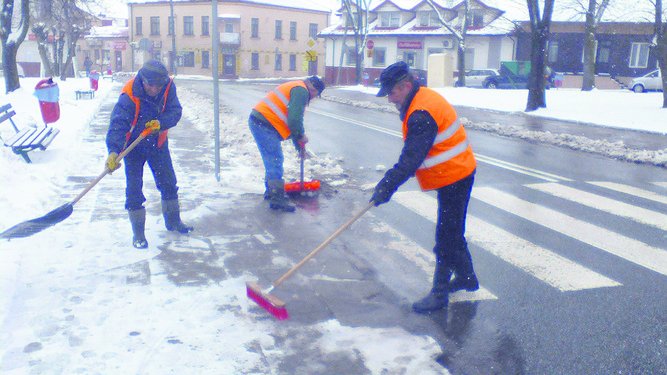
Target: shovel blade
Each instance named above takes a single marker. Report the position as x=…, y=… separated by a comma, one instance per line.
x=30, y=227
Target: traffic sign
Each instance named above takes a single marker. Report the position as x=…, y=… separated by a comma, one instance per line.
x=311, y=55
x=370, y=44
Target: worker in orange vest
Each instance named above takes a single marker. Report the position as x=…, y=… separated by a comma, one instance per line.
x=148, y=101
x=437, y=152
x=278, y=117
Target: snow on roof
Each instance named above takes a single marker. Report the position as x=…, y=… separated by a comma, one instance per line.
x=107, y=32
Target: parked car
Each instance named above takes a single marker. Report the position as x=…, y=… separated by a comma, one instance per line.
x=505, y=79
x=476, y=77
x=651, y=81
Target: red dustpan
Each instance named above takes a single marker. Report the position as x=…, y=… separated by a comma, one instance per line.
x=302, y=186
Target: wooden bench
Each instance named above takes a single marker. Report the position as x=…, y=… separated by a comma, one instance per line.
x=85, y=94
x=28, y=138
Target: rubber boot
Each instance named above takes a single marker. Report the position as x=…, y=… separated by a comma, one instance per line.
x=277, y=198
x=438, y=298
x=138, y=221
x=464, y=276
x=172, y=217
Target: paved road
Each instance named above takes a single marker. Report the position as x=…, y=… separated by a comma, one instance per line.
x=569, y=246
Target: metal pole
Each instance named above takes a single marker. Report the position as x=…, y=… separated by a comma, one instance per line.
x=216, y=86
x=173, y=38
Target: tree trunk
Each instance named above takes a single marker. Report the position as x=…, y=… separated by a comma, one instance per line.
x=536, y=89
x=589, y=48
x=461, y=65
x=9, y=66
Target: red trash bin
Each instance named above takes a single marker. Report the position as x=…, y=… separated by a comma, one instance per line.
x=94, y=79
x=48, y=93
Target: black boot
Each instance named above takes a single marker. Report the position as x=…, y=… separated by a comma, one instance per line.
x=437, y=299
x=138, y=221
x=277, y=198
x=464, y=276
x=172, y=217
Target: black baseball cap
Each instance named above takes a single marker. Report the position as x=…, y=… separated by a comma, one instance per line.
x=154, y=73
x=391, y=75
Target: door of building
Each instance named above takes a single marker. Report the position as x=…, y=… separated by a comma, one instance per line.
x=119, y=61
x=229, y=65
x=312, y=68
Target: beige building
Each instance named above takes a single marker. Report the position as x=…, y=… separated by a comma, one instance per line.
x=257, y=39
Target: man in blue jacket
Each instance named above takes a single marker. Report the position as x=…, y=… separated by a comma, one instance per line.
x=148, y=101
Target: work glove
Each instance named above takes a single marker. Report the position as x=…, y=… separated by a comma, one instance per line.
x=300, y=144
x=153, y=125
x=111, y=162
x=383, y=192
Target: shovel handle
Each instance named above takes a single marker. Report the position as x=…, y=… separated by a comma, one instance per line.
x=322, y=245
x=120, y=157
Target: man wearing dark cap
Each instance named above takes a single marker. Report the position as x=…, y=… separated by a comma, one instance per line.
x=437, y=152
x=277, y=117
x=148, y=101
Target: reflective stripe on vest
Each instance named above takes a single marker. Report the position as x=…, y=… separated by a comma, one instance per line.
x=127, y=90
x=274, y=106
x=450, y=158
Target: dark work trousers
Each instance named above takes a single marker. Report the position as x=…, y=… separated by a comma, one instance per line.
x=451, y=246
x=160, y=164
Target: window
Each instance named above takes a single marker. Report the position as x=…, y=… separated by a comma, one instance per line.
x=292, y=30
x=390, y=19
x=552, y=52
x=204, y=25
x=428, y=19
x=476, y=19
x=205, y=59
x=254, y=61
x=639, y=55
x=292, y=62
x=312, y=30
x=155, y=25
x=229, y=27
x=170, y=27
x=279, y=62
x=605, y=52
x=279, y=29
x=350, y=55
x=188, y=25
x=350, y=19
x=254, y=28
x=379, y=56
x=138, y=29
x=189, y=59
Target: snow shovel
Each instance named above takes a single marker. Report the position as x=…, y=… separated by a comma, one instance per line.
x=30, y=227
x=273, y=304
x=302, y=187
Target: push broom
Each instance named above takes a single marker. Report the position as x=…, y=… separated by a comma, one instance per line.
x=30, y=227
x=273, y=304
x=301, y=187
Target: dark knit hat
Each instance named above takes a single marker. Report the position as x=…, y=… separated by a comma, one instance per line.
x=317, y=84
x=392, y=74
x=154, y=73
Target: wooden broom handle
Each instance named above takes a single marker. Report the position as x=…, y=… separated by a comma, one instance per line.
x=120, y=157
x=322, y=245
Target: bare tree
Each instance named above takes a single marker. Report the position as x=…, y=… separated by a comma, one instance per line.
x=661, y=47
x=539, y=35
x=459, y=33
x=357, y=17
x=11, y=40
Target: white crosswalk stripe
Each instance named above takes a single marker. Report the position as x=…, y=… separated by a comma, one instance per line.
x=627, y=248
x=660, y=183
x=545, y=265
x=638, y=214
x=646, y=194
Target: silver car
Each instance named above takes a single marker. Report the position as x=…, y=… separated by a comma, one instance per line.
x=651, y=81
x=476, y=77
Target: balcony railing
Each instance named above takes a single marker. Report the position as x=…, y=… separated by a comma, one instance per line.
x=230, y=39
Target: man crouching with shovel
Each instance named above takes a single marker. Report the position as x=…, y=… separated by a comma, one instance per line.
x=148, y=101
x=436, y=150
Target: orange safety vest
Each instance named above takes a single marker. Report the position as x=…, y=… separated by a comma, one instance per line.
x=274, y=106
x=127, y=90
x=450, y=158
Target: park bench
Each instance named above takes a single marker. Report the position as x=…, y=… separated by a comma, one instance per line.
x=28, y=138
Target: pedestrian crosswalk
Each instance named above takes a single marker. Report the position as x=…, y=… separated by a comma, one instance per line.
x=549, y=265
